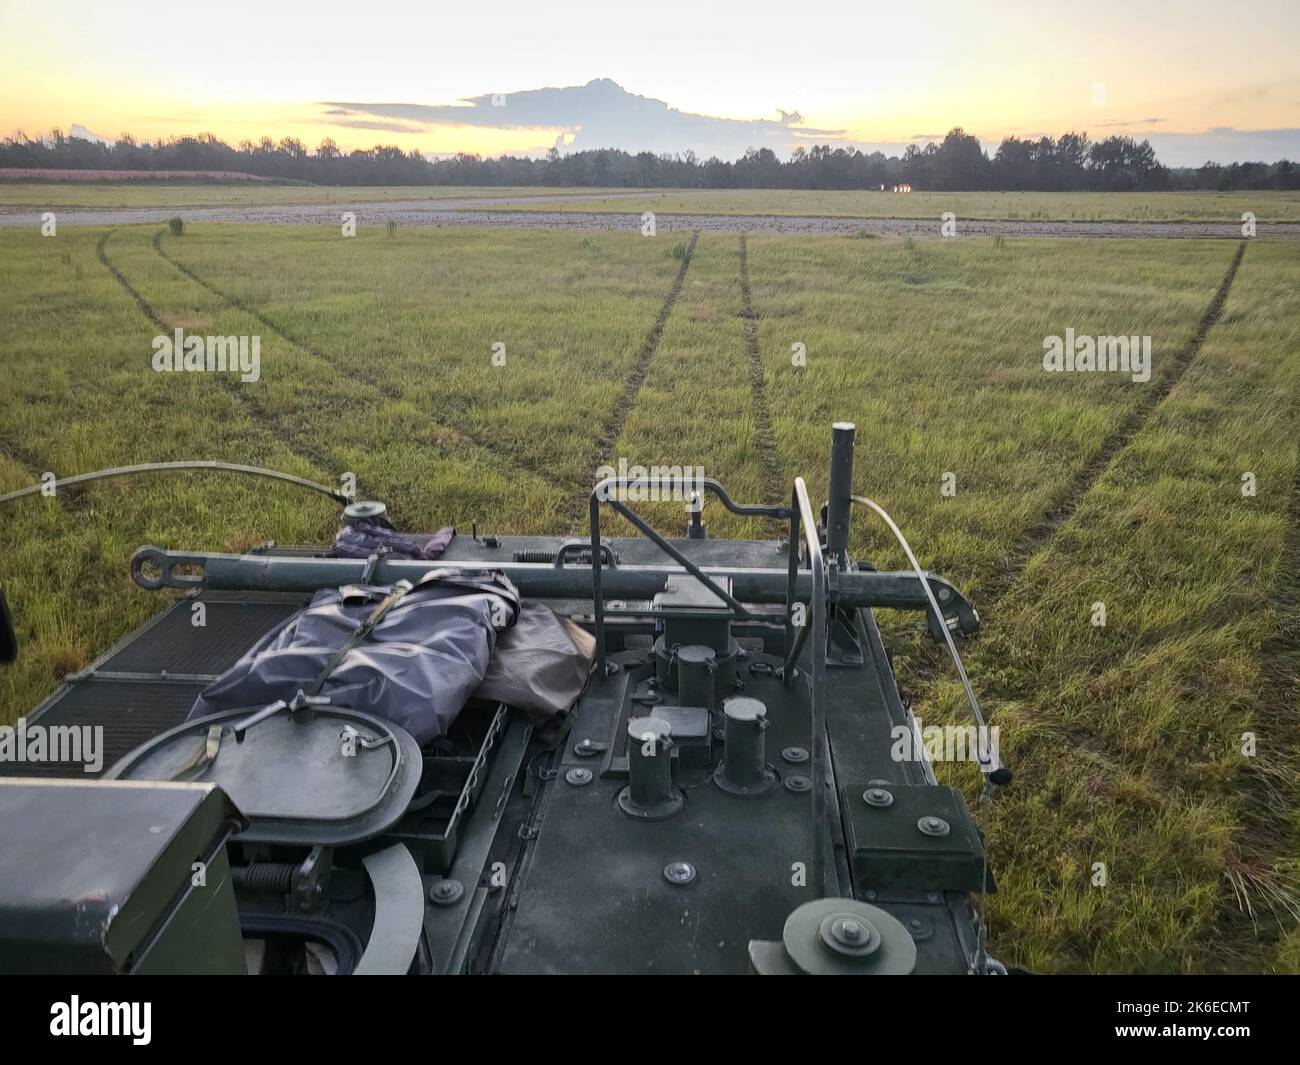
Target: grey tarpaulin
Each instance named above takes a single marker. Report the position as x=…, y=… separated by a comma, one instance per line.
x=416, y=667
x=540, y=664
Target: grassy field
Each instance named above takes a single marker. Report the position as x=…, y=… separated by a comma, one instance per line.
x=1005, y=206
x=1071, y=489
x=49, y=195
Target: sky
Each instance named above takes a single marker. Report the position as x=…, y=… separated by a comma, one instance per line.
x=1201, y=79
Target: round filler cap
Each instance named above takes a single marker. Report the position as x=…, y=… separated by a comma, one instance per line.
x=657, y=727
x=745, y=708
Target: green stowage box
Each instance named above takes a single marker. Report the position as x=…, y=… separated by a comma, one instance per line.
x=116, y=877
x=905, y=840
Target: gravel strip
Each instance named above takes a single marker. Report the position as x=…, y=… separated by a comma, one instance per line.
x=430, y=213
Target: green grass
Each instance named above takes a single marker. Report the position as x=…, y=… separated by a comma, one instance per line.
x=377, y=359
x=935, y=352
x=48, y=195
x=1008, y=206
x=418, y=337
x=1130, y=736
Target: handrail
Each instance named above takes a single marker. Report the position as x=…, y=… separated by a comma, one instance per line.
x=803, y=525
x=603, y=493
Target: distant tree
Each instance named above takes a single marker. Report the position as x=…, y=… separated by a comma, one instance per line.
x=959, y=162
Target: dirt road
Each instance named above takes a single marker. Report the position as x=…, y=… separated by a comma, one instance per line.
x=478, y=212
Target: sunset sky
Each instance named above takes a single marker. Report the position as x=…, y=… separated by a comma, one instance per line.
x=1201, y=78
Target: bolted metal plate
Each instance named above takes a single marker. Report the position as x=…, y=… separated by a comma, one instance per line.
x=915, y=838
x=684, y=592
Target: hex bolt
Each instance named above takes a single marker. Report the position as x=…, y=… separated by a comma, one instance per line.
x=794, y=755
x=933, y=826
x=849, y=934
x=919, y=929
x=878, y=797
x=679, y=873
x=446, y=892
x=579, y=776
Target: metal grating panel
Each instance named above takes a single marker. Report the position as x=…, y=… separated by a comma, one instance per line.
x=130, y=712
x=176, y=645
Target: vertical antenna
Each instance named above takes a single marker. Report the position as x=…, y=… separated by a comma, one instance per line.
x=840, y=499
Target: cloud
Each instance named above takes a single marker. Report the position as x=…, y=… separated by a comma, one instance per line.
x=82, y=133
x=391, y=127
x=600, y=114
x=1121, y=123
x=1225, y=144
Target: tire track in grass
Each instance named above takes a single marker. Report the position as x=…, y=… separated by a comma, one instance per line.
x=930, y=663
x=613, y=428
x=281, y=432
x=22, y=456
x=774, y=483
x=1038, y=535
x=101, y=253
x=73, y=498
x=457, y=438
x=1270, y=793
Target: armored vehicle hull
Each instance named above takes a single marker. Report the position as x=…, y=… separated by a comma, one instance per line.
x=726, y=795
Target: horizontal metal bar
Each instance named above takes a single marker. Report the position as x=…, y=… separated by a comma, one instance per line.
x=898, y=590
x=132, y=677
x=604, y=493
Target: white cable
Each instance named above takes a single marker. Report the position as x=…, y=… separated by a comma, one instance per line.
x=982, y=749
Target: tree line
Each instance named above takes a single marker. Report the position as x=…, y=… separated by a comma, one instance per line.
x=958, y=162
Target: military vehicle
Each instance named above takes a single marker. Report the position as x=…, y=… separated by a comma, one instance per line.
x=720, y=791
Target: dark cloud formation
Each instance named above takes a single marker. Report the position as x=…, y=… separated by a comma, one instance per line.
x=600, y=114
x=1225, y=144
